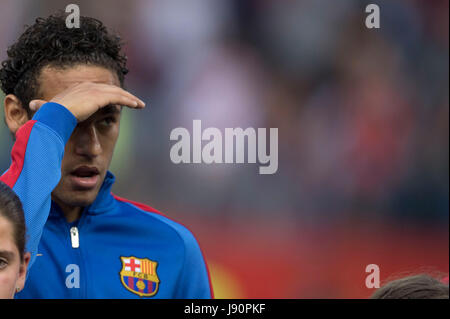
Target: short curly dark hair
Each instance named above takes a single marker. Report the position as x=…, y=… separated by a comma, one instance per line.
x=48, y=42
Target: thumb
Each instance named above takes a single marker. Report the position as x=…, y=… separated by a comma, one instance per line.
x=36, y=104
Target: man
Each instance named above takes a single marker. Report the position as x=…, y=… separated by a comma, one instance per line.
x=94, y=244
x=35, y=171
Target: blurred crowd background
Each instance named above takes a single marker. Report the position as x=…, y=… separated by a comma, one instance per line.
x=363, y=121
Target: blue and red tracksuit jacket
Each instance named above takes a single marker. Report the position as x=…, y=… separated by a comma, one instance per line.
x=117, y=249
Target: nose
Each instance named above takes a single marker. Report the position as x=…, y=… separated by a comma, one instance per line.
x=87, y=142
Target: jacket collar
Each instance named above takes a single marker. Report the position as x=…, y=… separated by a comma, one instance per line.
x=104, y=201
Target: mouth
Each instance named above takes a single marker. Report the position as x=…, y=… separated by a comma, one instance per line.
x=85, y=177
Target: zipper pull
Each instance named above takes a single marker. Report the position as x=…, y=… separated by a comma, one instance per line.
x=74, y=237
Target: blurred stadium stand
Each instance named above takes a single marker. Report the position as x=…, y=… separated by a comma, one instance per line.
x=363, y=118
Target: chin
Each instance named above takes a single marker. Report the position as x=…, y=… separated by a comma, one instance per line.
x=82, y=200
x=76, y=198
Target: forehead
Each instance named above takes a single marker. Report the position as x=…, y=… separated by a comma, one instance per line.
x=53, y=80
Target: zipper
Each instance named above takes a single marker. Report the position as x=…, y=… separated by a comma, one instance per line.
x=74, y=237
x=75, y=241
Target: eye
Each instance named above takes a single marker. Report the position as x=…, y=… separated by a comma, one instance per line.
x=107, y=121
x=3, y=263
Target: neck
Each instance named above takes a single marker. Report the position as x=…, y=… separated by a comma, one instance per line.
x=71, y=213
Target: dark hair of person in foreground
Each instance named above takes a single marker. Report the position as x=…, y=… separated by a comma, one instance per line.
x=421, y=286
x=11, y=210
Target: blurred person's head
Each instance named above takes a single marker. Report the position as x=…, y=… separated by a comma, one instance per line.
x=47, y=59
x=420, y=286
x=13, y=259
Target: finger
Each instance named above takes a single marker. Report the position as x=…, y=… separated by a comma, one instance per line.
x=103, y=88
x=120, y=99
x=127, y=95
x=36, y=104
x=118, y=90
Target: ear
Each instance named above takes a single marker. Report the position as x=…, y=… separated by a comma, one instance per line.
x=23, y=271
x=15, y=114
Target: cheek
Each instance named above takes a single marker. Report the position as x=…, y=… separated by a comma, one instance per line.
x=68, y=150
x=8, y=279
x=109, y=140
x=115, y=131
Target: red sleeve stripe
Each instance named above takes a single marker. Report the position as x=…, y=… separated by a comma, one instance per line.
x=18, y=154
x=152, y=210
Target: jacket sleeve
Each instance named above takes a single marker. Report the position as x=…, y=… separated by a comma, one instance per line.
x=195, y=280
x=36, y=166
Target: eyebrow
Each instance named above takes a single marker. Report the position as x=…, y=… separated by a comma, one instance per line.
x=110, y=109
x=7, y=254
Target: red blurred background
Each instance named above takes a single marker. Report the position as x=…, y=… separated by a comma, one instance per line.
x=267, y=259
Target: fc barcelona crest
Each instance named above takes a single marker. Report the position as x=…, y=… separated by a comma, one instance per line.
x=139, y=276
